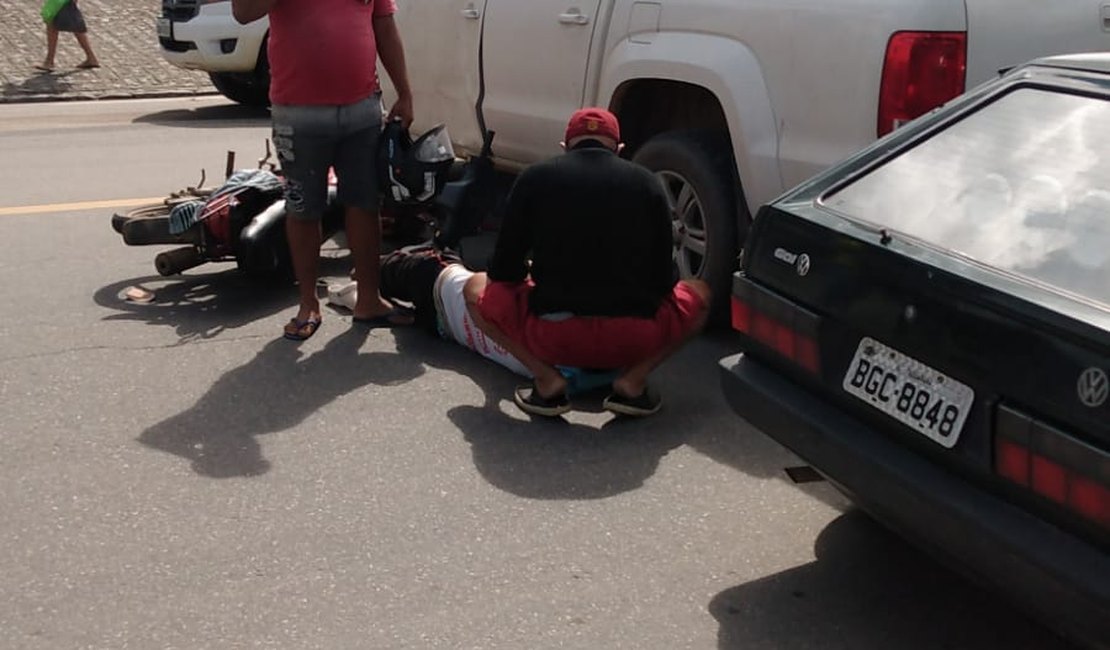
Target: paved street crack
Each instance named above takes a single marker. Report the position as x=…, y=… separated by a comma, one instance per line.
x=146, y=348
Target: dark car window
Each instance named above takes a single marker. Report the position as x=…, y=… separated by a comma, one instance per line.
x=1022, y=185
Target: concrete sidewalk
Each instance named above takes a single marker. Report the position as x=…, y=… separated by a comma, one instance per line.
x=123, y=38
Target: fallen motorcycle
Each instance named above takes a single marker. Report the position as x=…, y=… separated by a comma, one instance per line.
x=241, y=220
x=428, y=194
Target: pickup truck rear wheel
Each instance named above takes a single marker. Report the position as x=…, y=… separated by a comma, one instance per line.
x=696, y=168
x=246, y=88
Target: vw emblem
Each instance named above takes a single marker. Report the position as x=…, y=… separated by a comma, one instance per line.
x=1094, y=387
x=802, y=266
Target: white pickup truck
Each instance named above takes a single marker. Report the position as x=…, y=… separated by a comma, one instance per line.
x=731, y=102
x=203, y=35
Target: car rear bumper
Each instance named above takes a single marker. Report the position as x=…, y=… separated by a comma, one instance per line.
x=199, y=43
x=1056, y=576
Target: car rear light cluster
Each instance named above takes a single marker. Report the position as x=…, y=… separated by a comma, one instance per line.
x=921, y=71
x=776, y=323
x=1052, y=464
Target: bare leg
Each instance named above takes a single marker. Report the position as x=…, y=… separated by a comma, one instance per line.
x=51, y=46
x=90, y=58
x=364, y=236
x=549, y=381
x=304, y=248
x=633, y=381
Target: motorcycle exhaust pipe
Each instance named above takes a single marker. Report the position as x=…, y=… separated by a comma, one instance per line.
x=178, y=260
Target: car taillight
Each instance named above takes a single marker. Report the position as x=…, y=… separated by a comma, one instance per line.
x=776, y=323
x=1054, y=465
x=921, y=71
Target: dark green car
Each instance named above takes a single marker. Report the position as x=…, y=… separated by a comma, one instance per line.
x=928, y=325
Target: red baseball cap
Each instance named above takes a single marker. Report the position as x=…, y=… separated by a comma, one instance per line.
x=593, y=122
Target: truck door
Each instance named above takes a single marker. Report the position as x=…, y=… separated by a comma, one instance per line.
x=535, y=58
x=1004, y=33
x=441, y=49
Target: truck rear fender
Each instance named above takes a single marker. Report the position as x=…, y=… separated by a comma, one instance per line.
x=728, y=70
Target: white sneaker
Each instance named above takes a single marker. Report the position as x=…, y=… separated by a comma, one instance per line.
x=343, y=295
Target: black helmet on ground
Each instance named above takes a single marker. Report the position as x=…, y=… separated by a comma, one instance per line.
x=412, y=172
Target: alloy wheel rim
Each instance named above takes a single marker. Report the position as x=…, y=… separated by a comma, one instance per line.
x=691, y=237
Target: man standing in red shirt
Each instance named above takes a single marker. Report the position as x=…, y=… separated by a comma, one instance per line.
x=327, y=113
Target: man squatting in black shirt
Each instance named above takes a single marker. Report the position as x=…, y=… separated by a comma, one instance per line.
x=601, y=291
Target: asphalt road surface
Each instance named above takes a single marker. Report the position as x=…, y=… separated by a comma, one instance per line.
x=175, y=475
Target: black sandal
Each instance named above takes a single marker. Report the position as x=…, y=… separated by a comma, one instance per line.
x=646, y=403
x=530, y=401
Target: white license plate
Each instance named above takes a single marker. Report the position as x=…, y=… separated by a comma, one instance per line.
x=909, y=391
x=165, y=28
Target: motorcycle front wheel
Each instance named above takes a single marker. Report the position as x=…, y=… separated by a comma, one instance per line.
x=149, y=224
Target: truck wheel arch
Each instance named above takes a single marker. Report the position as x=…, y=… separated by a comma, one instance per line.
x=247, y=88
x=690, y=63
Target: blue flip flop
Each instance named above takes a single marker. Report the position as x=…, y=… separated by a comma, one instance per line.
x=301, y=330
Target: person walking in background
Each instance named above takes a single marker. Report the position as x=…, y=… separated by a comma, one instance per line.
x=66, y=17
x=327, y=113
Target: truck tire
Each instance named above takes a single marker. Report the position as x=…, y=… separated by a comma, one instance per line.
x=246, y=88
x=697, y=170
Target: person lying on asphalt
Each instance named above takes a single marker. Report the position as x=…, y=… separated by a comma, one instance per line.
x=432, y=281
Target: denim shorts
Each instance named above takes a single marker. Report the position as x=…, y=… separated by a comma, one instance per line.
x=310, y=139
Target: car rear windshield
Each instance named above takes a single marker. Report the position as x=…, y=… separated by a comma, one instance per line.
x=1021, y=185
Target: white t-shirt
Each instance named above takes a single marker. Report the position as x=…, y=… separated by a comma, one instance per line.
x=456, y=324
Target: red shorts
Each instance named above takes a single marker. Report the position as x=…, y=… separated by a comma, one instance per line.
x=601, y=342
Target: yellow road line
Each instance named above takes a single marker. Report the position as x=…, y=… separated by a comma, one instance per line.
x=74, y=207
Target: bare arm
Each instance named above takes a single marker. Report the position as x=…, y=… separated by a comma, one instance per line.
x=247, y=10
x=392, y=54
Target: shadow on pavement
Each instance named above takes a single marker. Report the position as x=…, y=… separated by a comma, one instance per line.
x=547, y=458
x=225, y=115
x=540, y=458
x=38, y=84
x=198, y=306
x=204, y=306
x=690, y=381
x=274, y=391
x=869, y=590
